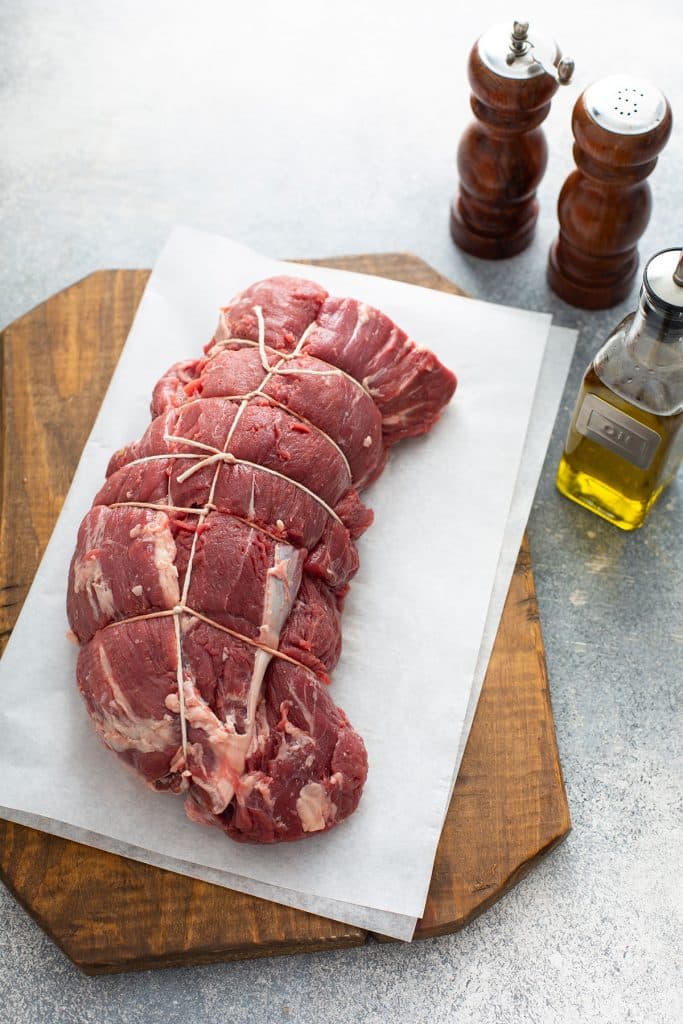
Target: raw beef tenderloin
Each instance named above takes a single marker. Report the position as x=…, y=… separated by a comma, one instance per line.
x=209, y=576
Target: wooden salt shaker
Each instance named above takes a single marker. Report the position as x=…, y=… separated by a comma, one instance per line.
x=620, y=124
x=503, y=154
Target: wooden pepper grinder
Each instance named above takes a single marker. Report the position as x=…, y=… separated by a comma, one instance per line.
x=620, y=125
x=503, y=154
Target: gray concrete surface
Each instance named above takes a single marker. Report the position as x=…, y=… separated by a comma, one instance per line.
x=315, y=129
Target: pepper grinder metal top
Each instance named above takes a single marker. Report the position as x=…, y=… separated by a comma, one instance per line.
x=621, y=124
x=503, y=154
x=515, y=55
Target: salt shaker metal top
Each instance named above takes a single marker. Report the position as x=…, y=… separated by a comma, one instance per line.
x=621, y=124
x=514, y=72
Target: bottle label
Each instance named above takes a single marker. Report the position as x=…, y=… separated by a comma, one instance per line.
x=617, y=431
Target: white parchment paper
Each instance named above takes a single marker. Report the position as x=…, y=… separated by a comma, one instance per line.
x=414, y=622
x=551, y=381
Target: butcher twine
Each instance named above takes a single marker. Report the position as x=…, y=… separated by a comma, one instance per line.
x=217, y=457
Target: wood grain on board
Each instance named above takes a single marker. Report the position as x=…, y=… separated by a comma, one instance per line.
x=109, y=913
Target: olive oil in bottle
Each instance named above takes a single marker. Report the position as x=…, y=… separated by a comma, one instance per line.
x=625, y=440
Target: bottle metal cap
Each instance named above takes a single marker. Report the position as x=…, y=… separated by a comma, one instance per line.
x=625, y=104
x=661, y=280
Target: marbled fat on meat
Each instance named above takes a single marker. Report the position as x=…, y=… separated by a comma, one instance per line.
x=208, y=581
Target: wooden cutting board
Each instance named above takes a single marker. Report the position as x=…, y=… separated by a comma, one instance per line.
x=111, y=914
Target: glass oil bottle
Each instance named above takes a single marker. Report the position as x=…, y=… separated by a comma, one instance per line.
x=625, y=440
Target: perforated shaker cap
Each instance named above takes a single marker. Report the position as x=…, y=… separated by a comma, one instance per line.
x=625, y=104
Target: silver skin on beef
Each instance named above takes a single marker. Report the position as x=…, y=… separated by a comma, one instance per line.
x=209, y=577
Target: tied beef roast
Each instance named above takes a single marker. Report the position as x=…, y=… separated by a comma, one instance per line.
x=209, y=576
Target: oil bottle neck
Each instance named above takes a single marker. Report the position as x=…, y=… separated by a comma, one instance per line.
x=654, y=334
x=642, y=360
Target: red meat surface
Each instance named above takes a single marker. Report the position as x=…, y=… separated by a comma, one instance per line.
x=208, y=580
